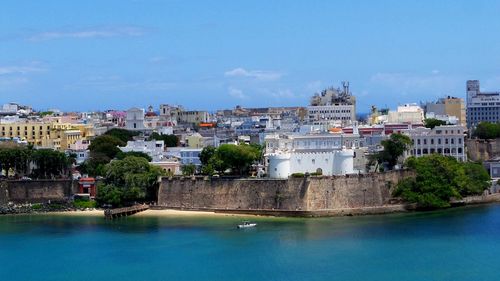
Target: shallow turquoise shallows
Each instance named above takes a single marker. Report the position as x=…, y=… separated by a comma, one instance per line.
x=458, y=244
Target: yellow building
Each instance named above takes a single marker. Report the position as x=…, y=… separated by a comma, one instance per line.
x=455, y=107
x=51, y=135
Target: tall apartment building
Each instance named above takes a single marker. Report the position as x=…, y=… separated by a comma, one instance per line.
x=332, y=107
x=481, y=106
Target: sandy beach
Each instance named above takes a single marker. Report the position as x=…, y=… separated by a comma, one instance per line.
x=152, y=213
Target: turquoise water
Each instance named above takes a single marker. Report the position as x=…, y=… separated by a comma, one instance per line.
x=459, y=244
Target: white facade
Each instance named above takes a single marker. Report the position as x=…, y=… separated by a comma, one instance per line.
x=135, y=119
x=326, y=153
x=407, y=113
x=446, y=140
x=155, y=149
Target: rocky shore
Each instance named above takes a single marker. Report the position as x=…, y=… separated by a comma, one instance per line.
x=34, y=208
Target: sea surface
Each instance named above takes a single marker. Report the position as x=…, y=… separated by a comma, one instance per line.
x=456, y=244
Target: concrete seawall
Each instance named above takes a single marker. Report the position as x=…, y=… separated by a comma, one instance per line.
x=352, y=194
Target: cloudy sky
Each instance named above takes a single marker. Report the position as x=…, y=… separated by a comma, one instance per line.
x=88, y=55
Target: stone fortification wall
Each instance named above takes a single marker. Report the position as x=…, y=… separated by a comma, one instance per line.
x=36, y=191
x=294, y=194
x=483, y=150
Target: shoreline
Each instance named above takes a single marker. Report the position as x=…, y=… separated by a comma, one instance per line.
x=159, y=211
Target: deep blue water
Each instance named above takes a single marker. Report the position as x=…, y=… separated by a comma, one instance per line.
x=458, y=244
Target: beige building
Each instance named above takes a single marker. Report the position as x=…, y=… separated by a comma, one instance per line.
x=44, y=134
x=455, y=107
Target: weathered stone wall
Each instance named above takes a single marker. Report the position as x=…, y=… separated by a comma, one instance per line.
x=36, y=191
x=304, y=194
x=483, y=150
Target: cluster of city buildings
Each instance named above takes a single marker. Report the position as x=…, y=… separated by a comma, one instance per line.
x=324, y=137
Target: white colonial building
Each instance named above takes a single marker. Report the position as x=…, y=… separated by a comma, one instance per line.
x=446, y=140
x=135, y=119
x=328, y=154
x=155, y=149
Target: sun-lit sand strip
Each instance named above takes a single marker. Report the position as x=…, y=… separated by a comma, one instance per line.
x=93, y=213
x=178, y=213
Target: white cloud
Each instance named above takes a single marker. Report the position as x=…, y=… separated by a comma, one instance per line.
x=411, y=82
x=6, y=70
x=117, y=83
x=101, y=32
x=237, y=93
x=263, y=75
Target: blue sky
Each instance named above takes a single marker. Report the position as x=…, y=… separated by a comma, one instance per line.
x=90, y=55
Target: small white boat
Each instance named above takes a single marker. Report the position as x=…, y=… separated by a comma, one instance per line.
x=247, y=224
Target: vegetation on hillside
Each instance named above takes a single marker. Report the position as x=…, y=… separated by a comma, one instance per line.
x=439, y=179
x=432, y=123
x=237, y=159
x=128, y=181
x=393, y=149
x=487, y=130
x=46, y=163
x=169, y=140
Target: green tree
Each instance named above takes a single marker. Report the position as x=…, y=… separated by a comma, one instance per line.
x=129, y=180
x=207, y=153
x=487, y=130
x=122, y=134
x=107, y=145
x=431, y=123
x=440, y=178
x=122, y=155
x=238, y=158
x=14, y=157
x=188, y=170
x=169, y=140
x=394, y=147
x=50, y=163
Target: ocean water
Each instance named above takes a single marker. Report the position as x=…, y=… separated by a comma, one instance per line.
x=458, y=244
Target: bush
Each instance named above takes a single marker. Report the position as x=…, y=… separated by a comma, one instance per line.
x=297, y=175
x=84, y=204
x=37, y=206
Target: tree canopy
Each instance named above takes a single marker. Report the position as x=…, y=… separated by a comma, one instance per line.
x=487, y=130
x=393, y=148
x=440, y=178
x=169, y=140
x=432, y=123
x=48, y=163
x=127, y=181
x=122, y=134
x=236, y=158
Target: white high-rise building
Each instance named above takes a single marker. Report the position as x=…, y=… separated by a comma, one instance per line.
x=481, y=106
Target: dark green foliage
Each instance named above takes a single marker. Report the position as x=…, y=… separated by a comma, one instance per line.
x=122, y=134
x=298, y=175
x=107, y=145
x=49, y=163
x=169, y=140
x=431, y=123
x=188, y=170
x=83, y=204
x=127, y=181
x=15, y=157
x=487, y=130
x=206, y=154
x=237, y=158
x=122, y=155
x=440, y=178
x=394, y=147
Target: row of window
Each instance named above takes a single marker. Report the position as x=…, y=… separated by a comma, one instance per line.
x=330, y=111
x=446, y=151
x=25, y=128
x=439, y=141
